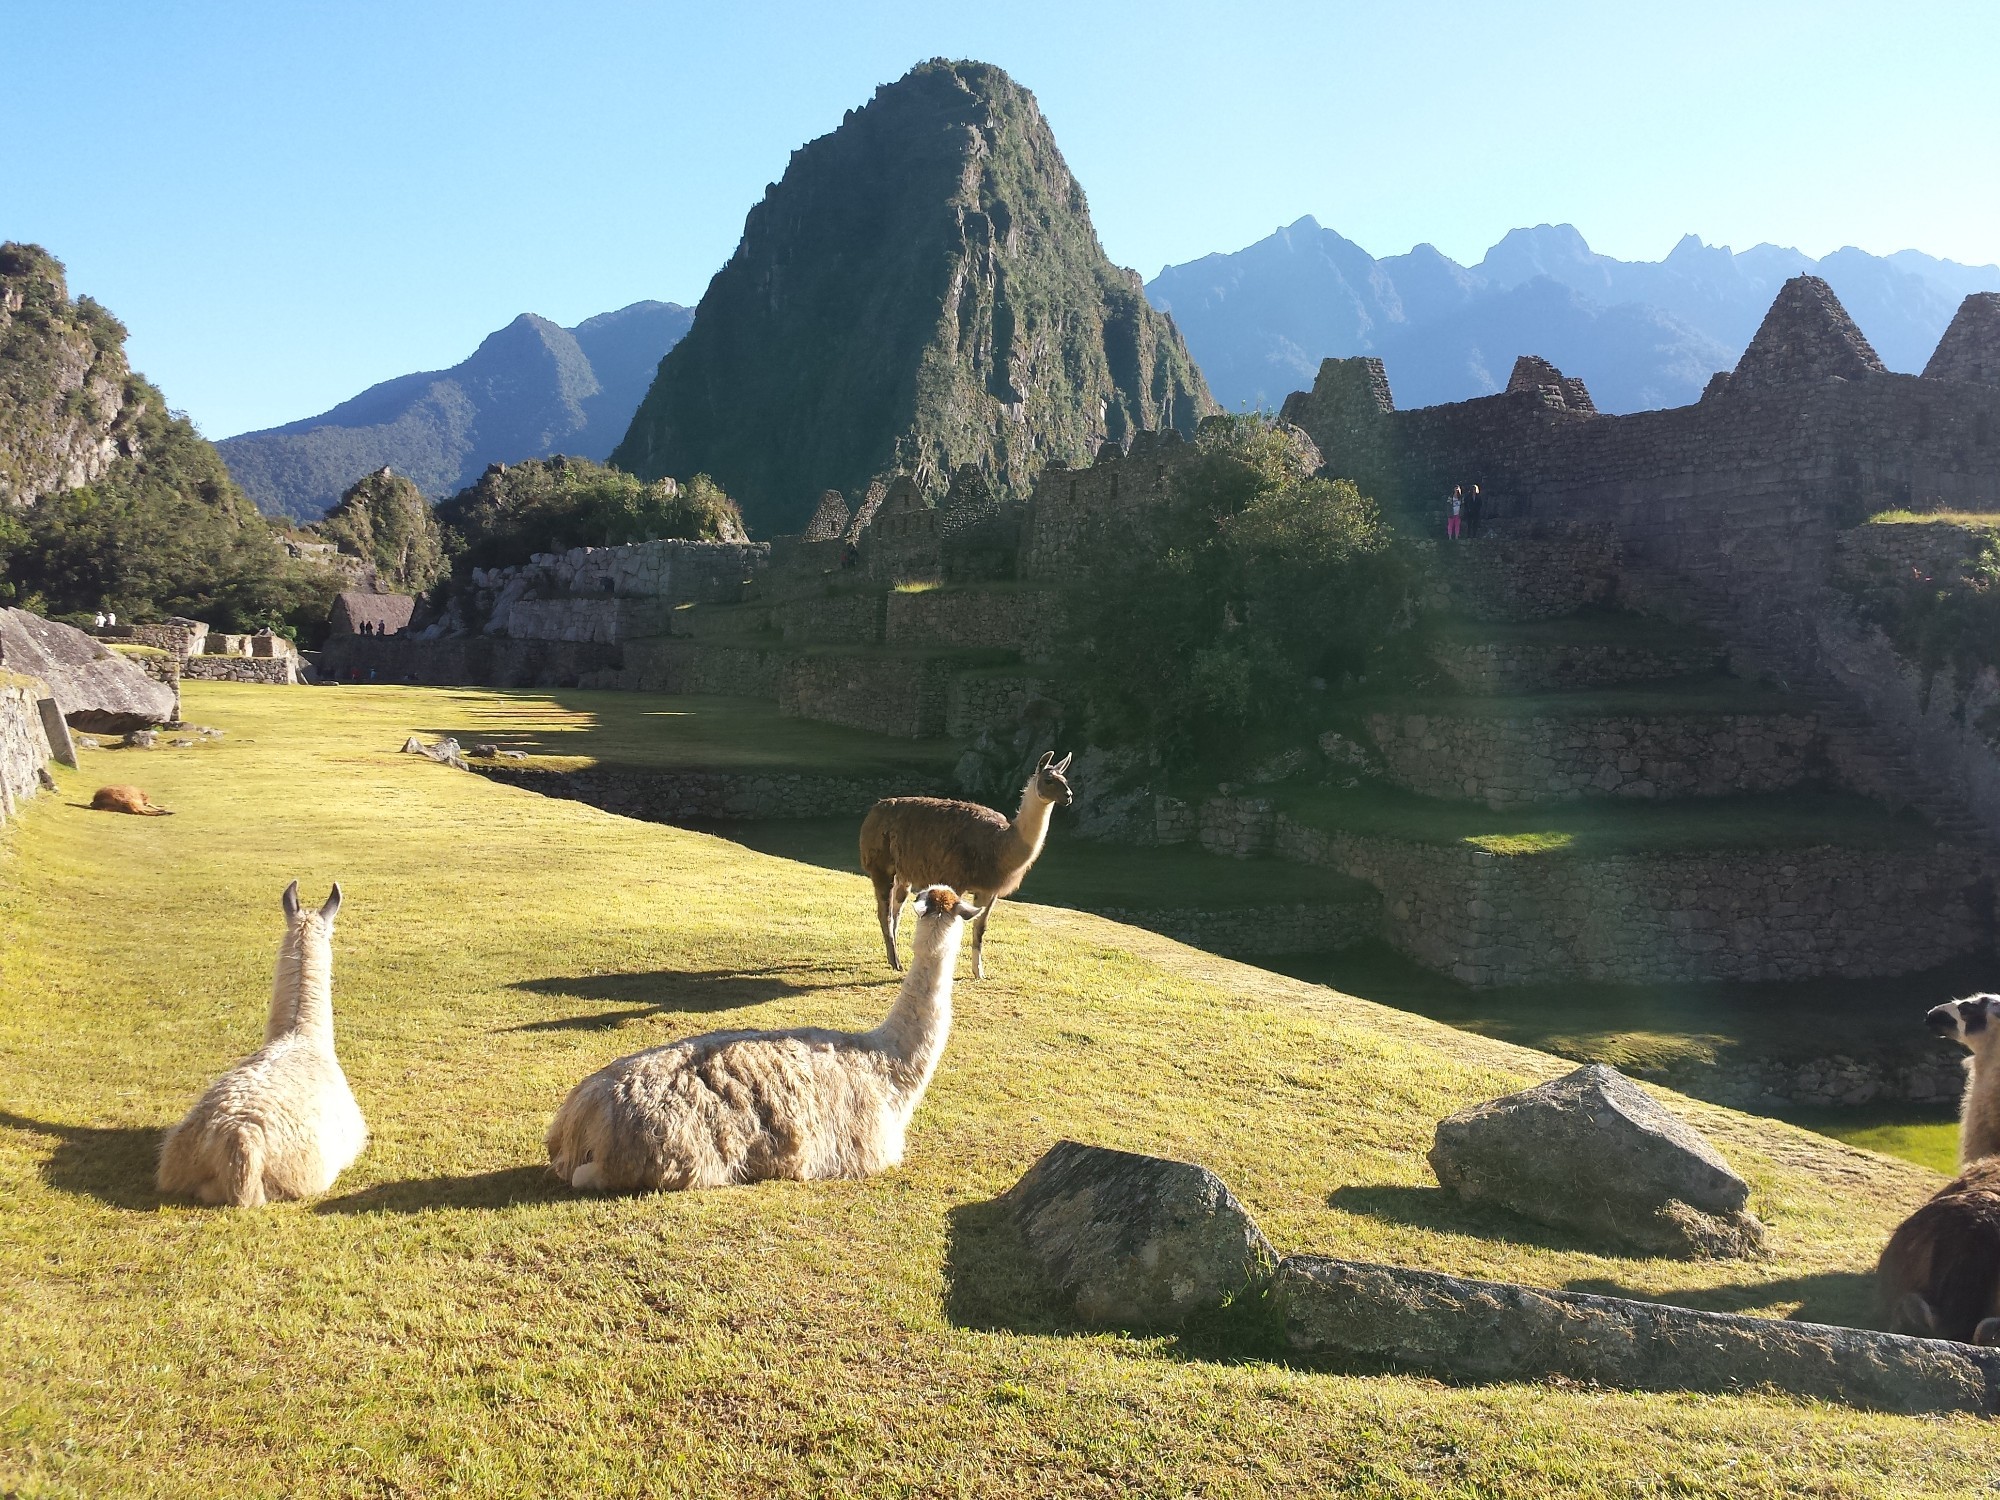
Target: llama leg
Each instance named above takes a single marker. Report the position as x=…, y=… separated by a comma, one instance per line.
x=885, y=915
x=898, y=894
x=979, y=939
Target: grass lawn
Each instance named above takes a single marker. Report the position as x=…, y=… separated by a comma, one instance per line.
x=1928, y=1137
x=1977, y=519
x=1786, y=820
x=450, y=1322
x=571, y=729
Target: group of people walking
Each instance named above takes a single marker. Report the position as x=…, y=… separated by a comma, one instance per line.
x=1462, y=512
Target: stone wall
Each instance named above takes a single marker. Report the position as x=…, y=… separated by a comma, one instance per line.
x=901, y=696
x=1507, y=760
x=1662, y=918
x=1892, y=551
x=605, y=619
x=281, y=671
x=676, y=571
x=1525, y=571
x=1111, y=503
x=692, y=796
x=1507, y=667
x=725, y=668
x=24, y=746
x=464, y=661
x=853, y=619
x=976, y=701
x=1025, y=620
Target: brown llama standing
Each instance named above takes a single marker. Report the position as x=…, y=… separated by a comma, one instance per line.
x=1940, y=1272
x=911, y=842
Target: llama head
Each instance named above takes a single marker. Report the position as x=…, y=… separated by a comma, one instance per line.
x=295, y=916
x=1972, y=1022
x=941, y=917
x=1049, y=782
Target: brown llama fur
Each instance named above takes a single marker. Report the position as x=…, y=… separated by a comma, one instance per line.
x=126, y=799
x=1940, y=1272
x=908, y=843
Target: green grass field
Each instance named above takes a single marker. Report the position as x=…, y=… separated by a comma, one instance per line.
x=450, y=1322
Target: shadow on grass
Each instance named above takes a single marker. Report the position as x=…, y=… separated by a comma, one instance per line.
x=415, y=1195
x=1845, y=1299
x=114, y=1165
x=665, y=992
x=1434, y=1208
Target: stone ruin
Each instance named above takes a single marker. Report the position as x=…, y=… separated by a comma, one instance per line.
x=1969, y=352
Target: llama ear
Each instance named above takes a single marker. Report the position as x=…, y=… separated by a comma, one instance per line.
x=1048, y=756
x=332, y=908
x=292, y=902
x=1063, y=764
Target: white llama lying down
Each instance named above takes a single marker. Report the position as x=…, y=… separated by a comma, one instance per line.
x=743, y=1106
x=282, y=1123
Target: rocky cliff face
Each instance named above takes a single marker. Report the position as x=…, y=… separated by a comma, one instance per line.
x=68, y=403
x=923, y=289
x=529, y=390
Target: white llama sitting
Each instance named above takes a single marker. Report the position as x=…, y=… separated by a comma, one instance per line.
x=282, y=1123
x=744, y=1106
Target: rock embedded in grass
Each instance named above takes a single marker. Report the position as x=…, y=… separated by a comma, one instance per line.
x=1493, y=1330
x=96, y=689
x=1594, y=1153
x=1136, y=1241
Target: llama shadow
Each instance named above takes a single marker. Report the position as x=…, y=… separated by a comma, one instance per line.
x=1845, y=1299
x=114, y=1165
x=665, y=992
x=499, y=1189
x=1435, y=1208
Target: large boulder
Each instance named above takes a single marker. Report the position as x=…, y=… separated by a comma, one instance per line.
x=1592, y=1152
x=1136, y=1241
x=96, y=689
x=1497, y=1330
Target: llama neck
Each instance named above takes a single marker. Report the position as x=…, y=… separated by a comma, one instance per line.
x=1979, y=1122
x=302, y=992
x=1031, y=825
x=913, y=1034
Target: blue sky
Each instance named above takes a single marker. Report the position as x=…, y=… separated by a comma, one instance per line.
x=286, y=202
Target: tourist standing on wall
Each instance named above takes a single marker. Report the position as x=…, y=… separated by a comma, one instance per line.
x=1454, y=510
x=1475, y=505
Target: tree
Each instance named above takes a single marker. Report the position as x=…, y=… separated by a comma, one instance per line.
x=553, y=504
x=1257, y=578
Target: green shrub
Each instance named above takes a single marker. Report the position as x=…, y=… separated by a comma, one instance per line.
x=385, y=519
x=1258, y=578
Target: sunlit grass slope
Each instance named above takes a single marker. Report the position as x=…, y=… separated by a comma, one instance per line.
x=449, y=1323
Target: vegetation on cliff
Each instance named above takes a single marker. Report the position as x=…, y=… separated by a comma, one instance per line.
x=922, y=289
x=107, y=499
x=385, y=520
x=551, y=505
x=1260, y=579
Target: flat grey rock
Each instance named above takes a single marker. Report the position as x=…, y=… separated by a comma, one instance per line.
x=1593, y=1152
x=1495, y=1330
x=96, y=689
x=1136, y=1241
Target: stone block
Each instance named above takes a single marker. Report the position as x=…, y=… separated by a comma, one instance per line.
x=96, y=688
x=1136, y=1241
x=1594, y=1153
x=1489, y=1330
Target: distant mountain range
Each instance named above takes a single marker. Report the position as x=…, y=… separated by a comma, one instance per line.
x=1639, y=333
x=531, y=389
